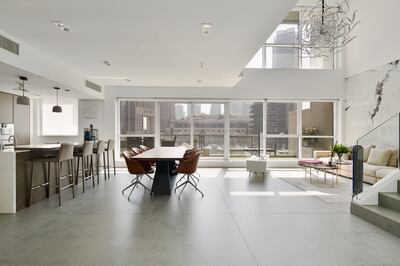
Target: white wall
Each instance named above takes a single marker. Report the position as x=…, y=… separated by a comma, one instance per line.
x=377, y=41
x=256, y=84
x=89, y=112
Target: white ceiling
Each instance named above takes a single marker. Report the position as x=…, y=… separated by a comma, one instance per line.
x=37, y=86
x=155, y=42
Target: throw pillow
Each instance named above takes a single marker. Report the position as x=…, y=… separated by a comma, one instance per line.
x=366, y=151
x=379, y=157
x=394, y=158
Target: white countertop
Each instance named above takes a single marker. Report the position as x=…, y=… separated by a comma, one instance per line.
x=13, y=151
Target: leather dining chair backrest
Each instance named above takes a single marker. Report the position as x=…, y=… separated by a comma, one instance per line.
x=144, y=148
x=136, y=151
x=66, y=152
x=191, y=151
x=189, y=165
x=134, y=166
x=87, y=148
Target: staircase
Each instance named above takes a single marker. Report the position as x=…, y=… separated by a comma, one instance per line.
x=385, y=215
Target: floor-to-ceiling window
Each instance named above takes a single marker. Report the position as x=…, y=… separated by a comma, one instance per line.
x=245, y=128
x=136, y=124
x=317, y=126
x=281, y=126
x=209, y=128
x=175, y=124
x=232, y=129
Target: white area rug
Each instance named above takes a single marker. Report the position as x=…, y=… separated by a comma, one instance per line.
x=340, y=193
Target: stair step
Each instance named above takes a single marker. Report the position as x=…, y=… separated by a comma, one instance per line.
x=390, y=200
x=382, y=217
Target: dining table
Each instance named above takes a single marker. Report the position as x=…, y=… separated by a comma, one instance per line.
x=165, y=159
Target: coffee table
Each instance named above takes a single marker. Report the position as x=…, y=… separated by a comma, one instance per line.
x=324, y=168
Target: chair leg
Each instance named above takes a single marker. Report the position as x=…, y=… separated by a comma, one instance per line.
x=97, y=167
x=59, y=168
x=77, y=172
x=72, y=181
x=104, y=166
x=108, y=164
x=113, y=154
x=91, y=170
x=83, y=173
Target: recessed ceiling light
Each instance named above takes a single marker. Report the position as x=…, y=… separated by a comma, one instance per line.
x=61, y=25
x=205, y=28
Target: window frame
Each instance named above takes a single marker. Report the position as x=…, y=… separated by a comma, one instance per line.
x=227, y=102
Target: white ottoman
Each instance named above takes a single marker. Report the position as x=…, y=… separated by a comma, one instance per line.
x=256, y=165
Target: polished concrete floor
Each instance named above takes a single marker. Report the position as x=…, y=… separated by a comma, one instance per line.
x=238, y=222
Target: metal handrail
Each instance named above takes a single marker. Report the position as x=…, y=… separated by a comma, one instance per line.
x=378, y=126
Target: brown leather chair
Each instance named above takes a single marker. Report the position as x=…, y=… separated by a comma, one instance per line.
x=196, y=175
x=134, y=168
x=187, y=167
x=136, y=151
x=144, y=148
x=148, y=165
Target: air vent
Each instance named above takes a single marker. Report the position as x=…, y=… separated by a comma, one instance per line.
x=9, y=45
x=93, y=86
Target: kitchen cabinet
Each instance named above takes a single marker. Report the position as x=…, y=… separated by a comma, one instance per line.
x=6, y=108
x=21, y=122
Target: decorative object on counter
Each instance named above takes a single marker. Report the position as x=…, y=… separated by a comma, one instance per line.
x=339, y=150
x=57, y=108
x=22, y=100
x=326, y=29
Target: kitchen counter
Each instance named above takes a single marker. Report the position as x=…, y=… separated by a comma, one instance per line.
x=16, y=172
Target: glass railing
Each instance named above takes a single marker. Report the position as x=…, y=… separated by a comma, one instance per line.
x=289, y=56
x=371, y=167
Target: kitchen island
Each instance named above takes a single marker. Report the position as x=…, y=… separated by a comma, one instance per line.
x=15, y=175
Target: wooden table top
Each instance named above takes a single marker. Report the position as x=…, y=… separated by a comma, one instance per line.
x=162, y=154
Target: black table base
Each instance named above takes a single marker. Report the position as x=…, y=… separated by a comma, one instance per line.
x=164, y=177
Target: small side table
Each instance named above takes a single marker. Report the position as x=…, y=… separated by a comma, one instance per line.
x=256, y=165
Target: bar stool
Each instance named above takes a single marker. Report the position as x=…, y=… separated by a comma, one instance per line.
x=87, y=164
x=110, y=147
x=66, y=154
x=99, y=150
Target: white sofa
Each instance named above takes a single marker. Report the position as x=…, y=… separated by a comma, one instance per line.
x=378, y=163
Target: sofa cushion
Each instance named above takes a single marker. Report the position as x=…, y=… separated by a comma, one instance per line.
x=370, y=169
x=381, y=173
x=379, y=157
x=366, y=151
x=394, y=158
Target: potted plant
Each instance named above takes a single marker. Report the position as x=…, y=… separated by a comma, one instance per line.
x=339, y=150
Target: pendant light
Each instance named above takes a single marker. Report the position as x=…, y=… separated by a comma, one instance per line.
x=23, y=100
x=57, y=108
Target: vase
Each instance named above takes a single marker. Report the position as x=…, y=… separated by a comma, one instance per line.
x=340, y=155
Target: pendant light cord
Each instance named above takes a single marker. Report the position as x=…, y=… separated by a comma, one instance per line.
x=323, y=11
